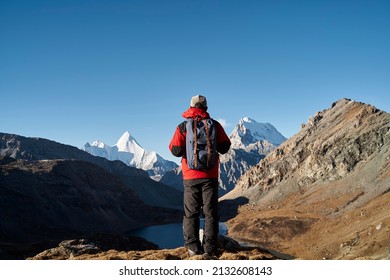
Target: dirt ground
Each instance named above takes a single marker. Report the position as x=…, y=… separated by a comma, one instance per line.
x=312, y=231
x=176, y=254
x=181, y=253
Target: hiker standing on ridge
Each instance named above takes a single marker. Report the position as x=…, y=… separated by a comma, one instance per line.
x=198, y=140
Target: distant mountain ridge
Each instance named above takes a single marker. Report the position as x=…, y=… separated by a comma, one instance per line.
x=129, y=151
x=149, y=191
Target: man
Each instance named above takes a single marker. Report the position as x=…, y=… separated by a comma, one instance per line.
x=200, y=168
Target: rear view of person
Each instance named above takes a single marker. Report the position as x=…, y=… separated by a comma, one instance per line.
x=199, y=140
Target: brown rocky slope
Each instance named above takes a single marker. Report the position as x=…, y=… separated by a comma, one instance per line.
x=325, y=192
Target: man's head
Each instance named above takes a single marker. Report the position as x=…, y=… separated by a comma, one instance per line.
x=199, y=101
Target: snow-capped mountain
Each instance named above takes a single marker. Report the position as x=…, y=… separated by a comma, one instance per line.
x=131, y=153
x=249, y=132
x=251, y=142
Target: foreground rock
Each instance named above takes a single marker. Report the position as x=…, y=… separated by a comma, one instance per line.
x=325, y=192
x=105, y=247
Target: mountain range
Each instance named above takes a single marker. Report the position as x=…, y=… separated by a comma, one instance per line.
x=132, y=154
x=324, y=193
x=148, y=190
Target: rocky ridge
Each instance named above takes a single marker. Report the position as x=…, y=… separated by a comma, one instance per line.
x=324, y=192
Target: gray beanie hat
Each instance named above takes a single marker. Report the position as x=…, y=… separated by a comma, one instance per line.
x=199, y=101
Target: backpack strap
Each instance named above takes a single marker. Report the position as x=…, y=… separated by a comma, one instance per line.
x=208, y=142
x=195, y=127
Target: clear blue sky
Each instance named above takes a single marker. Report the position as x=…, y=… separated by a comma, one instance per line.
x=79, y=71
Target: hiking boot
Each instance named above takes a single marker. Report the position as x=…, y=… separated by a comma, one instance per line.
x=194, y=253
x=209, y=256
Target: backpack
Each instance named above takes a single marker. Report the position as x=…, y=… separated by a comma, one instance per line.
x=201, y=143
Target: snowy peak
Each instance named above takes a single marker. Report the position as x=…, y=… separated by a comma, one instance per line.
x=127, y=143
x=246, y=120
x=249, y=131
x=98, y=144
x=131, y=153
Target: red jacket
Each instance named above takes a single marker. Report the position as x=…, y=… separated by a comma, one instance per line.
x=178, y=146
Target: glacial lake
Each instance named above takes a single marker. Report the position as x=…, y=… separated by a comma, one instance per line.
x=167, y=236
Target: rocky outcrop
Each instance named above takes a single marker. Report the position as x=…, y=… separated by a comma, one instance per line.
x=237, y=161
x=96, y=244
x=322, y=187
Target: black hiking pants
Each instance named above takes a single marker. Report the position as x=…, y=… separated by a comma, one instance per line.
x=201, y=198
